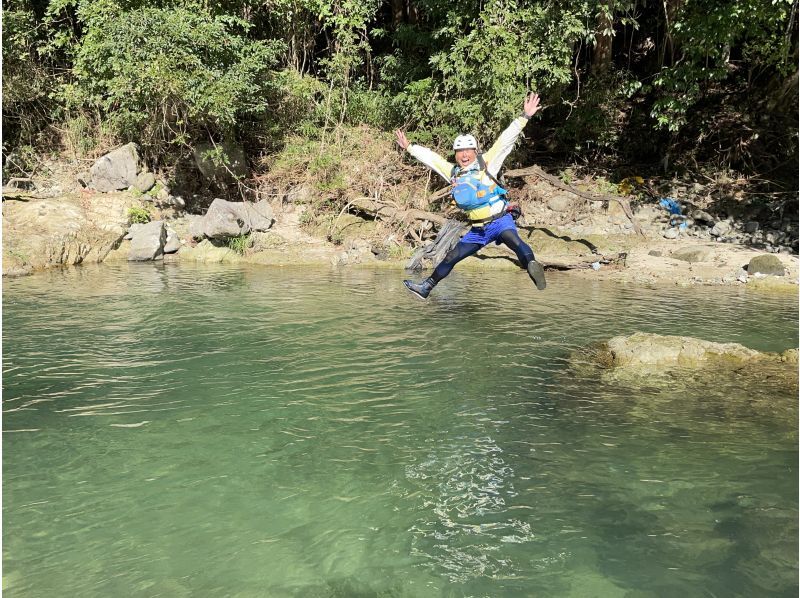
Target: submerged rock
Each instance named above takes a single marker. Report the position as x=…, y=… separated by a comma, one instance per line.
x=207, y=253
x=684, y=372
x=653, y=349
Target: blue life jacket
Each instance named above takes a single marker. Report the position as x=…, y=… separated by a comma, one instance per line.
x=470, y=192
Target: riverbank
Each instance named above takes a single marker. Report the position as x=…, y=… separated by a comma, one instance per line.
x=581, y=224
x=58, y=231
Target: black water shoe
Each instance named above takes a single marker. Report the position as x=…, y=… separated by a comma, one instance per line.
x=536, y=272
x=421, y=290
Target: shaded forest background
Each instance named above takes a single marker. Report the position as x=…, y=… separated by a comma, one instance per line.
x=676, y=86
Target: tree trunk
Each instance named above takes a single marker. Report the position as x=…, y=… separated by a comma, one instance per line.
x=667, y=47
x=398, y=13
x=604, y=41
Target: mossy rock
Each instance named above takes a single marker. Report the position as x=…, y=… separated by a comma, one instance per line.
x=207, y=253
x=766, y=264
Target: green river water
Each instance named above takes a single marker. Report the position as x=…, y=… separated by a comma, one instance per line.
x=218, y=431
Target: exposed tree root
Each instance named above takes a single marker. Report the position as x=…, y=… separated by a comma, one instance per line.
x=392, y=212
x=559, y=184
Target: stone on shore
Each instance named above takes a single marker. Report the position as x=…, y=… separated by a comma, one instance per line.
x=225, y=219
x=692, y=254
x=560, y=203
x=144, y=182
x=147, y=242
x=765, y=264
x=116, y=170
x=721, y=228
x=40, y=233
x=173, y=242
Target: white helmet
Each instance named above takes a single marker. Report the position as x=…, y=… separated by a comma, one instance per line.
x=465, y=142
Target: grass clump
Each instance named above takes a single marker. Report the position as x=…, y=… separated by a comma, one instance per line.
x=240, y=243
x=138, y=215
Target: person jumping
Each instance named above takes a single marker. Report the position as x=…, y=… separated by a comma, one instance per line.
x=475, y=190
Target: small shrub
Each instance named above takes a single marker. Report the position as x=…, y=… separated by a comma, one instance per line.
x=240, y=244
x=138, y=215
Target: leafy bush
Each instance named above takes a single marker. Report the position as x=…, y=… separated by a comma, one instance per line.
x=138, y=215
x=168, y=75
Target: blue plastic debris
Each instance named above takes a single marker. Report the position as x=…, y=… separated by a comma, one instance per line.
x=669, y=204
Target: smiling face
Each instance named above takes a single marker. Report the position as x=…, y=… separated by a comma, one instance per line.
x=465, y=157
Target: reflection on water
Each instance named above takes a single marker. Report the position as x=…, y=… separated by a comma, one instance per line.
x=208, y=431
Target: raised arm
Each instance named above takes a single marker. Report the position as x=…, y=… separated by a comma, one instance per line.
x=497, y=154
x=428, y=157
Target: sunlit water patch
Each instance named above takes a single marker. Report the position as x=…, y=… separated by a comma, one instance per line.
x=182, y=431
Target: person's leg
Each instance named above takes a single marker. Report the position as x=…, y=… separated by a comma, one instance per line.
x=461, y=251
x=510, y=237
x=525, y=255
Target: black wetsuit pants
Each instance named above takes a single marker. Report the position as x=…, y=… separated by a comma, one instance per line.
x=509, y=237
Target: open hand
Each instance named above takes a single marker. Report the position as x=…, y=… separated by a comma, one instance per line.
x=401, y=139
x=531, y=104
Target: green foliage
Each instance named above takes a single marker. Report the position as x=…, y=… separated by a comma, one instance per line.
x=26, y=81
x=164, y=75
x=180, y=72
x=138, y=215
x=498, y=54
x=705, y=33
x=240, y=243
x=593, y=126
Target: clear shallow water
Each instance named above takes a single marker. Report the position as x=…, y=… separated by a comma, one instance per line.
x=180, y=431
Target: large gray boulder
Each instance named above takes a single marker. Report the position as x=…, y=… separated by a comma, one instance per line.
x=116, y=170
x=225, y=219
x=147, y=242
x=235, y=166
x=765, y=264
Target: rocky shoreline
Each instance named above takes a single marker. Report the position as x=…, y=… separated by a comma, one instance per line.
x=90, y=220
x=82, y=228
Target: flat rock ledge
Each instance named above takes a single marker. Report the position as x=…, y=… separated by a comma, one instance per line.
x=646, y=351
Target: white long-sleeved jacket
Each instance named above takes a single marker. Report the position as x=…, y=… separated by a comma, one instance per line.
x=494, y=159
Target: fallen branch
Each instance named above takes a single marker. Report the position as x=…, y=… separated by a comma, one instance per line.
x=559, y=184
x=616, y=259
x=385, y=211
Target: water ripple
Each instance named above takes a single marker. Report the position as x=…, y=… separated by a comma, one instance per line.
x=327, y=434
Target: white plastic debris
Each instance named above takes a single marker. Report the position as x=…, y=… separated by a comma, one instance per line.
x=596, y=266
